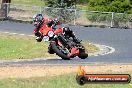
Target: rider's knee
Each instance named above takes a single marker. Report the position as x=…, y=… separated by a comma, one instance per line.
x=67, y=30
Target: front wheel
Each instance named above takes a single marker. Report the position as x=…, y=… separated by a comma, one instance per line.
x=59, y=52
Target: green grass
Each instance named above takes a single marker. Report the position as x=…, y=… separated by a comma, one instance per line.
x=63, y=81
x=90, y=47
x=20, y=47
x=42, y=3
x=29, y=2
x=82, y=6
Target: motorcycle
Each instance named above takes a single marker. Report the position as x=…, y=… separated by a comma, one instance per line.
x=64, y=47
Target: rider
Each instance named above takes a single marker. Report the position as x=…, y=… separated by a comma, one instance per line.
x=39, y=21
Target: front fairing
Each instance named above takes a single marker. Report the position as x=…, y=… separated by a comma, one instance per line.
x=45, y=29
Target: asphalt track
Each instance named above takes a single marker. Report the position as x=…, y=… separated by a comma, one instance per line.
x=120, y=39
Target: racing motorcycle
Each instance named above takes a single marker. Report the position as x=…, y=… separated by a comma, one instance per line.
x=64, y=47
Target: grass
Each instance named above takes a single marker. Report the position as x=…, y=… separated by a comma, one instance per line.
x=20, y=47
x=63, y=81
x=82, y=6
x=90, y=47
x=42, y=3
x=29, y=2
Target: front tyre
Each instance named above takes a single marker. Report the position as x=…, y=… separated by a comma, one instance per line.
x=58, y=52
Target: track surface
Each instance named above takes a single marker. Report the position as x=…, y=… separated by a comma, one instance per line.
x=120, y=39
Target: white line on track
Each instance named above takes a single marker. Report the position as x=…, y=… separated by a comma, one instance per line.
x=13, y=33
x=104, y=50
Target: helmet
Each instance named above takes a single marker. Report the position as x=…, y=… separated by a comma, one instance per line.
x=37, y=19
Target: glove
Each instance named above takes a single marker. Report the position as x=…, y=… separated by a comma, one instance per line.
x=56, y=21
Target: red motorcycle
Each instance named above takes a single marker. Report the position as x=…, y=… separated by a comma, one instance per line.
x=62, y=46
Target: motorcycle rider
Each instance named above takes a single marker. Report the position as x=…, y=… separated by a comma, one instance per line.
x=39, y=21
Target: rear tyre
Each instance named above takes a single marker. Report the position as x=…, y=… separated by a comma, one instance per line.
x=59, y=53
x=83, y=55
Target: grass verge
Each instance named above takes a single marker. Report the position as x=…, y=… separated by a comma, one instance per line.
x=29, y=2
x=20, y=47
x=63, y=81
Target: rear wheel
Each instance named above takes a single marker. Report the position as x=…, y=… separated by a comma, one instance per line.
x=83, y=54
x=60, y=52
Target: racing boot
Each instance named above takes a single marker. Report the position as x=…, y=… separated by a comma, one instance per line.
x=76, y=40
